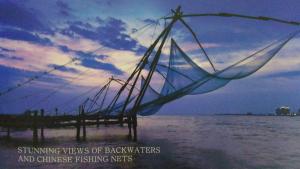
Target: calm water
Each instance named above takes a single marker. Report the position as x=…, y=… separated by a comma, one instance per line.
x=208, y=142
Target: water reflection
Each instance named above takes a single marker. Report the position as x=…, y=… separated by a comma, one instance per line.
x=186, y=142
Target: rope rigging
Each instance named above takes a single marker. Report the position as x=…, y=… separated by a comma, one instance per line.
x=262, y=18
x=198, y=42
x=29, y=80
x=58, y=88
x=91, y=89
x=35, y=78
x=178, y=15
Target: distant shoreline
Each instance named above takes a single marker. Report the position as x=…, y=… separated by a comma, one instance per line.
x=224, y=114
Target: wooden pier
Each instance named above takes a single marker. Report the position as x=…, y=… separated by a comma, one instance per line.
x=38, y=122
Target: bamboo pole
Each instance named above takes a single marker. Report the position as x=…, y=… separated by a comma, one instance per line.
x=150, y=73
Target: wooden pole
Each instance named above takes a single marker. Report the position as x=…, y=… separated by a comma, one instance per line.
x=105, y=120
x=78, y=126
x=121, y=120
x=8, y=123
x=129, y=127
x=98, y=119
x=134, y=120
x=136, y=72
x=153, y=65
x=35, y=129
x=83, y=124
x=56, y=112
x=198, y=42
x=8, y=133
x=42, y=125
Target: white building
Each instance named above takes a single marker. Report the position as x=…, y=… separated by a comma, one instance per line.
x=283, y=111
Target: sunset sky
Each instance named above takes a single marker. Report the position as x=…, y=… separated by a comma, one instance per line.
x=36, y=36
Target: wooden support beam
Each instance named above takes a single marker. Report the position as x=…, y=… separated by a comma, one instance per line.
x=105, y=121
x=35, y=128
x=83, y=124
x=42, y=123
x=78, y=126
x=98, y=119
x=136, y=73
x=134, y=121
x=149, y=75
x=198, y=42
x=129, y=128
x=121, y=119
x=153, y=65
x=8, y=133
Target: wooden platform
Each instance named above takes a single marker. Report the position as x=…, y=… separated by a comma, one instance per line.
x=37, y=121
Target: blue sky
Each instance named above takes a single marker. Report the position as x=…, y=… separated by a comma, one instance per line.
x=38, y=35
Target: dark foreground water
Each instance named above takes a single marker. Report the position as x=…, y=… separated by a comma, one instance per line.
x=208, y=142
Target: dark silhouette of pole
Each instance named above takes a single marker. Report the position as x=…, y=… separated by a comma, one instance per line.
x=176, y=16
x=35, y=129
x=129, y=127
x=78, y=125
x=222, y=14
x=198, y=42
x=135, y=74
x=83, y=124
x=42, y=123
x=8, y=133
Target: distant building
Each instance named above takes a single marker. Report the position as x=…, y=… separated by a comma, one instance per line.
x=249, y=113
x=283, y=111
x=27, y=113
x=298, y=113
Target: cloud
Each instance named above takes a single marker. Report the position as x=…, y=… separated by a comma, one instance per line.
x=10, y=57
x=26, y=60
x=15, y=15
x=23, y=35
x=5, y=50
x=64, y=8
x=91, y=63
x=7, y=54
x=93, y=60
x=110, y=33
x=63, y=68
x=35, y=56
x=150, y=21
x=67, y=43
x=288, y=74
x=89, y=55
x=10, y=75
x=14, y=76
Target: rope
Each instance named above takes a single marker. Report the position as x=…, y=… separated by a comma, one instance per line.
x=34, y=78
x=262, y=18
x=88, y=91
x=57, y=89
